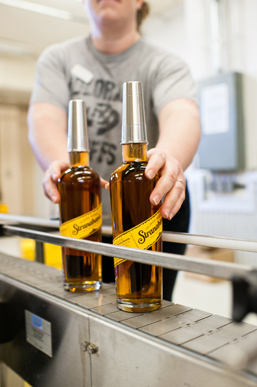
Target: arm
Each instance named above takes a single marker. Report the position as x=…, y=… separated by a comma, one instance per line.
x=47, y=135
x=179, y=126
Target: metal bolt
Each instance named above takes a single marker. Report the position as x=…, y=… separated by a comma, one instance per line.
x=92, y=348
x=86, y=346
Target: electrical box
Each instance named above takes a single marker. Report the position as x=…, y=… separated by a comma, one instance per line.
x=220, y=101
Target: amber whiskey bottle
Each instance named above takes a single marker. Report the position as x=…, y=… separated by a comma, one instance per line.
x=80, y=206
x=135, y=221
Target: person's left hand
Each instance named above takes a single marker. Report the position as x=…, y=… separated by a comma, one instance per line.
x=172, y=182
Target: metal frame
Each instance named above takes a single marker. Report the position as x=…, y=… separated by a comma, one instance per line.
x=94, y=344
x=173, y=345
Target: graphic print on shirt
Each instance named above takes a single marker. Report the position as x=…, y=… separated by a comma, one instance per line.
x=103, y=106
x=103, y=151
x=103, y=117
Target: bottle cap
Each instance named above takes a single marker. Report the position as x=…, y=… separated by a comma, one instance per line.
x=77, y=126
x=133, y=114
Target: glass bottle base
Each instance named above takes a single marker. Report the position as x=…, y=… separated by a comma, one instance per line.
x=84, y=287
x=128, y=306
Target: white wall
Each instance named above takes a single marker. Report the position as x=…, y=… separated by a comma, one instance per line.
x=168, y=30
x=17, y=73
x=186, y=31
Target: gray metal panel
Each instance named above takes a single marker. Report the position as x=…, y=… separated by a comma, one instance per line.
x=125, y=359
x=129, y=350
x=224, y=151
x=69, y=366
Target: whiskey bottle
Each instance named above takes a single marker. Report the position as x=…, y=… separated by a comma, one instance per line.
x=80, y=206
x=135, y=221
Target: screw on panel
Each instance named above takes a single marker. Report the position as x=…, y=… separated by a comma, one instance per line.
x=92, y=348
x=86, y=346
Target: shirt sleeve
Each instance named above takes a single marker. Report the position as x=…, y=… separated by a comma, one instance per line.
x=173, y=80
x=51, y=84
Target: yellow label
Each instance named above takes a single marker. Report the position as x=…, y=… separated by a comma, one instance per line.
x=84, y=225
x=142, y=236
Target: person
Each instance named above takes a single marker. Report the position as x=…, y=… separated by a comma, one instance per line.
x=94, y=68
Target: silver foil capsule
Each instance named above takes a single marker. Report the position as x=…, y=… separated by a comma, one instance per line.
x=77, y=126
x=133, y=114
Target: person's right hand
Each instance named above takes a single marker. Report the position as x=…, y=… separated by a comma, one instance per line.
x=52, y=174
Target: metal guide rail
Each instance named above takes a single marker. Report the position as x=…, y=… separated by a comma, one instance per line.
x=243, y=278
x=203, y=240
x=52, y=337
x=171, y=261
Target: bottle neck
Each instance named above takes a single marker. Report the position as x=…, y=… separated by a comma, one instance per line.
x=134, y=152
x=79, y=159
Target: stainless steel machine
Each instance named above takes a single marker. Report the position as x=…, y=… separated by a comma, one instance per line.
x=54, y=338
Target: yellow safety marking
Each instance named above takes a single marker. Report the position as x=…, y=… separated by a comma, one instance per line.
x=3, y=208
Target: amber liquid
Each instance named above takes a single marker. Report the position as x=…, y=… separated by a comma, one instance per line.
x=139, y=286
x=80, y=192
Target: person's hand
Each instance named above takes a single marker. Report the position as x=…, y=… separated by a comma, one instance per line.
x=172, y=182
x=52, y=174
x=105, y=184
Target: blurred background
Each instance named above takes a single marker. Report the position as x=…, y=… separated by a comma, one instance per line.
x=216, y=38
x=218, y=41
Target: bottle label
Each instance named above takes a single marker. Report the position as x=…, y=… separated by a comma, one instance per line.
x=142, y=236
x=84, y=225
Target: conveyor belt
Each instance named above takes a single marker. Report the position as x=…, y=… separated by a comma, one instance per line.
x=200, y=335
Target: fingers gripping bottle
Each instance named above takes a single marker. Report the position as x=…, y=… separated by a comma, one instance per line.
x=80, y=206
x=135, y=221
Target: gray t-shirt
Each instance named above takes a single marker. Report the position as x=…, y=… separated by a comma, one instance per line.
x=76, y=70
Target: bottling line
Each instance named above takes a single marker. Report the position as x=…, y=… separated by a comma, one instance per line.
x=51, y=337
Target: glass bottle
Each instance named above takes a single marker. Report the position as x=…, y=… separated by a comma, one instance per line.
x=80, y=206
x=135, y=221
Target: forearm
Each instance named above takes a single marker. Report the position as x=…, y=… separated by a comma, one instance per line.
x=47, y=133
x=179, y=131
